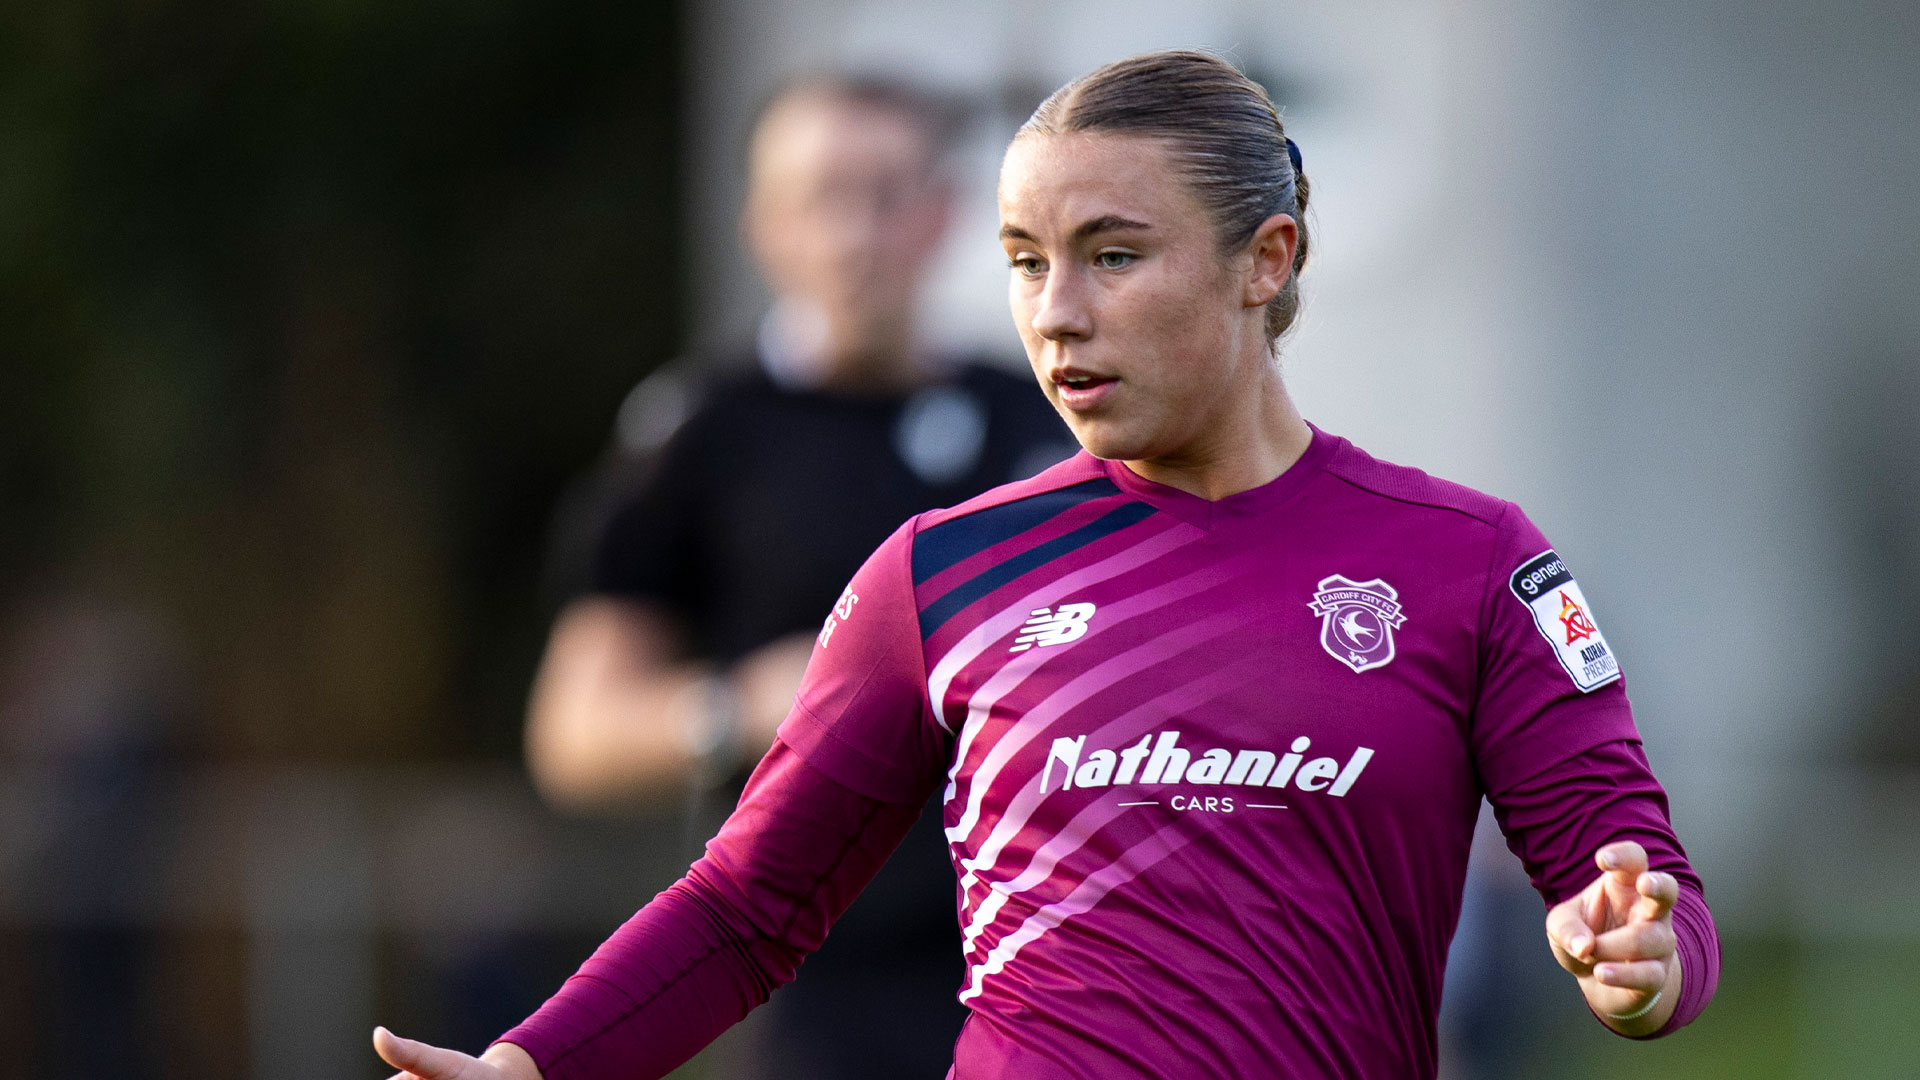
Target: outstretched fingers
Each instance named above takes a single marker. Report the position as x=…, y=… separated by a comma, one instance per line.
x=1623, y=861
x=1607, y=920
x=1570, y=934
x=1659, y=891
x=1651, y=940
x=1616, y=937
x=415, y=1058
x=1645, y=976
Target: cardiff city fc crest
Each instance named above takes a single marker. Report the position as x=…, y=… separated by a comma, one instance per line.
x=1357, y=620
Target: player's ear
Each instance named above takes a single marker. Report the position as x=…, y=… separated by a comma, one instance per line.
x=1271, y=248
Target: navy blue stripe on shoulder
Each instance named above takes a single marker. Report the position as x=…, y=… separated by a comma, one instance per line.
x=949, y=542
x=936, y=614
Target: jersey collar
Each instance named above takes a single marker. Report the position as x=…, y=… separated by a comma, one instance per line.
x=1210, y=513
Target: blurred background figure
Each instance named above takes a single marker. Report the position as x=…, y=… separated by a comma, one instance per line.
x=765, y=481
x=308, y=312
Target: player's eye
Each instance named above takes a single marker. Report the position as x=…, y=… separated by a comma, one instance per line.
x=1028, y=265
x=1114, y=260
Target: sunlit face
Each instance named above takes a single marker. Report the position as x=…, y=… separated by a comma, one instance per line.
x=1140, y=331
x=844, y=212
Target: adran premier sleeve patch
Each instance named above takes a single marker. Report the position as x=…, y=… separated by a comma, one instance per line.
x=1546, y=586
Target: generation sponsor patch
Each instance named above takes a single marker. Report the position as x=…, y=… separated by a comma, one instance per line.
x=1560, y=612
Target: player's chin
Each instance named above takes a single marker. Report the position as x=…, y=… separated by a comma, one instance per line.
x=1103, y=447
x=1105, y=436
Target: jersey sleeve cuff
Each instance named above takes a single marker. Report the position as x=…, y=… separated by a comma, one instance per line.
x=1697, y=943
x=546, y=1046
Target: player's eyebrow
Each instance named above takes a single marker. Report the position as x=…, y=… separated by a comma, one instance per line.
x=1105, y=223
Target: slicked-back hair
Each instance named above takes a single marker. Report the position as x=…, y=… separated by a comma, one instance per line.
x=1224, y=135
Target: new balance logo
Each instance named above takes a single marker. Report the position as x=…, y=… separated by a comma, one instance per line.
x=1053, y=626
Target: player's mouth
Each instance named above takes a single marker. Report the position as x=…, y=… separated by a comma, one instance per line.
x=1081, y=390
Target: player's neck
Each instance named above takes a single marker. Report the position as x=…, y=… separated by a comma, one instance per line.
x=1248, y=451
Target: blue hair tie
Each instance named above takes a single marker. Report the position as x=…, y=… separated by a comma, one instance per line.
x=1293, y=155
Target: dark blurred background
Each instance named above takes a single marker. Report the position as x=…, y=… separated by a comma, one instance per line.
x=310, y=309
x=311, y=313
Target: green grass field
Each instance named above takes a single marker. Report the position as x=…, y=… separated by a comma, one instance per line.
x=1786, y=1010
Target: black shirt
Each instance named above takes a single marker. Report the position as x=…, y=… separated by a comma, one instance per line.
x=766, y=500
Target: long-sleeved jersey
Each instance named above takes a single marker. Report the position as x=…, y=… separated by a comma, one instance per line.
x=1210, y=774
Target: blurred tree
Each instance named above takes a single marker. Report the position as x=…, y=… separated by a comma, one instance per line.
x=309, y=310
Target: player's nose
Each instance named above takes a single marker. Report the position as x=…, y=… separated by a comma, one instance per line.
x=1061, y=312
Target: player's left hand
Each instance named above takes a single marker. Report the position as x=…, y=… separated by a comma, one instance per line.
x=1616, y=937
x=422, y=1061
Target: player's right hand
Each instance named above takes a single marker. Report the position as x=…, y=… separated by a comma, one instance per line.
x=420, y=1061
x=1616, y=937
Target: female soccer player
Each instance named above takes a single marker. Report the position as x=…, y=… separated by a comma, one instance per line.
x=1214, y=703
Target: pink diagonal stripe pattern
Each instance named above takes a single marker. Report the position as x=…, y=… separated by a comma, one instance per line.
x=941, y=673
x=1094, y=816
x=1164, y=842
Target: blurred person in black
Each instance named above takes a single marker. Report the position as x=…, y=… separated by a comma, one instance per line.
x=764, y=487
